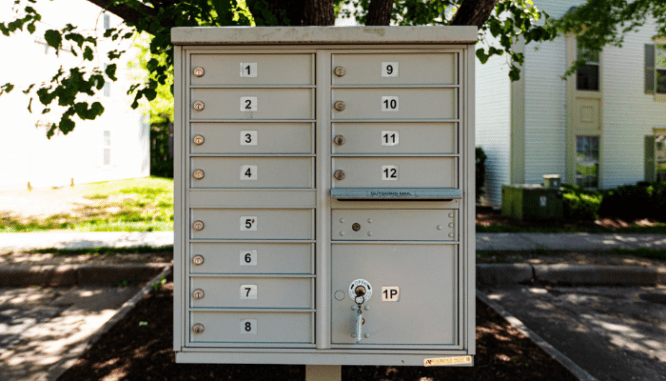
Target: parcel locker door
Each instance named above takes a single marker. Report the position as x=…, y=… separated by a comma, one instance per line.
x=414, y=294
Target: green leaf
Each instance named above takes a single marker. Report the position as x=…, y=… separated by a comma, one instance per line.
x=53, y=38
x=111, y=72
x=88, y=53
x=31, y=28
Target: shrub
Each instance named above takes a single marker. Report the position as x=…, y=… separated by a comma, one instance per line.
x=581, y=204
x=631, y=202
x=480, y=172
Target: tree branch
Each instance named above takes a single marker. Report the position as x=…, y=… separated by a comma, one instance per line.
x=318, y=12
x=379, y=12
x=130, y=15
x=474, y=12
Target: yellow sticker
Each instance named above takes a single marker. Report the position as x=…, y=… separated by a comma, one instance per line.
x=442, y=361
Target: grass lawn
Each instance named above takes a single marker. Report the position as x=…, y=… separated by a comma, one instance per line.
x=135, y=205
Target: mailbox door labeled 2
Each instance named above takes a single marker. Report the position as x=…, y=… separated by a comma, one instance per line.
x=413, y=299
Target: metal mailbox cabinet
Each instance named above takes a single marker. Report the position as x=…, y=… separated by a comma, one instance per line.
x=324, y=195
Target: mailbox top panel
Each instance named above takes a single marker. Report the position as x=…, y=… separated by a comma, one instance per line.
x=324, y=35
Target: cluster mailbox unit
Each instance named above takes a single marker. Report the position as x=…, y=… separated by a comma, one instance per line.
x=324, y=195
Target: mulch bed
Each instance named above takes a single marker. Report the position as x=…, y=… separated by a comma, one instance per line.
x=134, y=350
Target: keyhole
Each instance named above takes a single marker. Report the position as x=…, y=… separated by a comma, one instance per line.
x=359, y=291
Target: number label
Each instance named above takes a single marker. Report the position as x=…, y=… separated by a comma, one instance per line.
x=248, y=258
x=249, y=104
x=389, y=69
x=248, y=326
x=390, y=294
x=248, y=291
x=389, y=172
x=248, y=172
x=249, y=138
x=390, y=138
x=248, y=69
x=248, y=223
x=390, y=103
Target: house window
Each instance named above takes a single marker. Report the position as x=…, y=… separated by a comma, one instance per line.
x=660, y=156
x=655, y=68
x=107, y=148
x=587, y=76
x=587, y=161
x=649, y=69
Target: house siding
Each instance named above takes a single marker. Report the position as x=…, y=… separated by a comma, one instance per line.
x=493, y=123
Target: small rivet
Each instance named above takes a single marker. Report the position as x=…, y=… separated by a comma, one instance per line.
x=339, y=71
x=451, y=235
x=198, y=71
x=198, y=140
x=367, y=335
x=440, y=227
x=342, y=233
x=198, y=260
x=353, y=335
x=342, y=220
x=370, y=220
x=198, y=106
x=198, y=174
x=339, y=105
x=198, y=225
x=366, y=307
x=451, y=215
x=451, y=224
x=353, y=308
x=369, y=234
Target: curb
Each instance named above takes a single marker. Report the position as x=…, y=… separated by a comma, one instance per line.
x=578, y=372
x=57, y=369
x=494, y=275
x=73, y=275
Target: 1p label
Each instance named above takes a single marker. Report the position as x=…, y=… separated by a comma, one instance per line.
x=390, y=294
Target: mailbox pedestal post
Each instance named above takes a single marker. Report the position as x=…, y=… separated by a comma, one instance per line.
x=324, y=196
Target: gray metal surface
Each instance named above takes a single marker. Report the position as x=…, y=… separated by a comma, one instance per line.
x=266, y=258
x=226, y=292
x=266, y=327
x=396, y=193
x=271, y=69
x=254, y=172
x=425, y=313
x=393, y=225
x=439, y=172
x=412, y=138
x=413, y=104
x=411, y=69
x=269, y=223
x=271, y=104
x=253, y=138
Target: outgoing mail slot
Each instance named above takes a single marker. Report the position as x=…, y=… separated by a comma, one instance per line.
x=395, y=138
x=253, y=292
x=426, y=277
x=253, y=224
x=392, y=103
x=252, y=69
x=253, y=172
x=252, y=138
x=252, y=258
x=394, y=225
x=396, y=172
x=235, y=104
x=253, y=327
x=395, y=69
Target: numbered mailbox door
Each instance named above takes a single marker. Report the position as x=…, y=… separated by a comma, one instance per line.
x=237, y=104
x=252, y=258
x=399, y=172
x=407, y=104
x=394, y=138
x=394, y=69
x=251, y=138
x=252, y=292
x=286, y=224
x=252, y=172
x=253, y=327
x=414, y=293
x=252, y=69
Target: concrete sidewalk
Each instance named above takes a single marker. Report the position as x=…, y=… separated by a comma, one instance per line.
x=15, y=242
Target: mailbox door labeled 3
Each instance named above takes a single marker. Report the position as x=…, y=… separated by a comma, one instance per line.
x=414, y=297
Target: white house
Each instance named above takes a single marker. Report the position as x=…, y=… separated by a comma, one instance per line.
x=114, y=146
x=590, y=128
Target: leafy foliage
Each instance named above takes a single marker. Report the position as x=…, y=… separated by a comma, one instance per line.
x=511, y=20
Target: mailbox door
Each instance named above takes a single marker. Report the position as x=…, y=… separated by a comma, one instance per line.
x=250, y=224
x=393, y=225
x=252, y=69
x=233, y=292
x=425, y=309
x=252, y=258
x=254, y=172
x=396, y=172
x=252, y=138
x=392, y=103
x=238, y=104
x=395, y=138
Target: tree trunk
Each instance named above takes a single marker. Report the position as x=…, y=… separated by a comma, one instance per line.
x=318, y=12
x=379, y=12
x=474, y=12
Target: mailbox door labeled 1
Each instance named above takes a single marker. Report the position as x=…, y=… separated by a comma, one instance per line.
x=413, y=299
